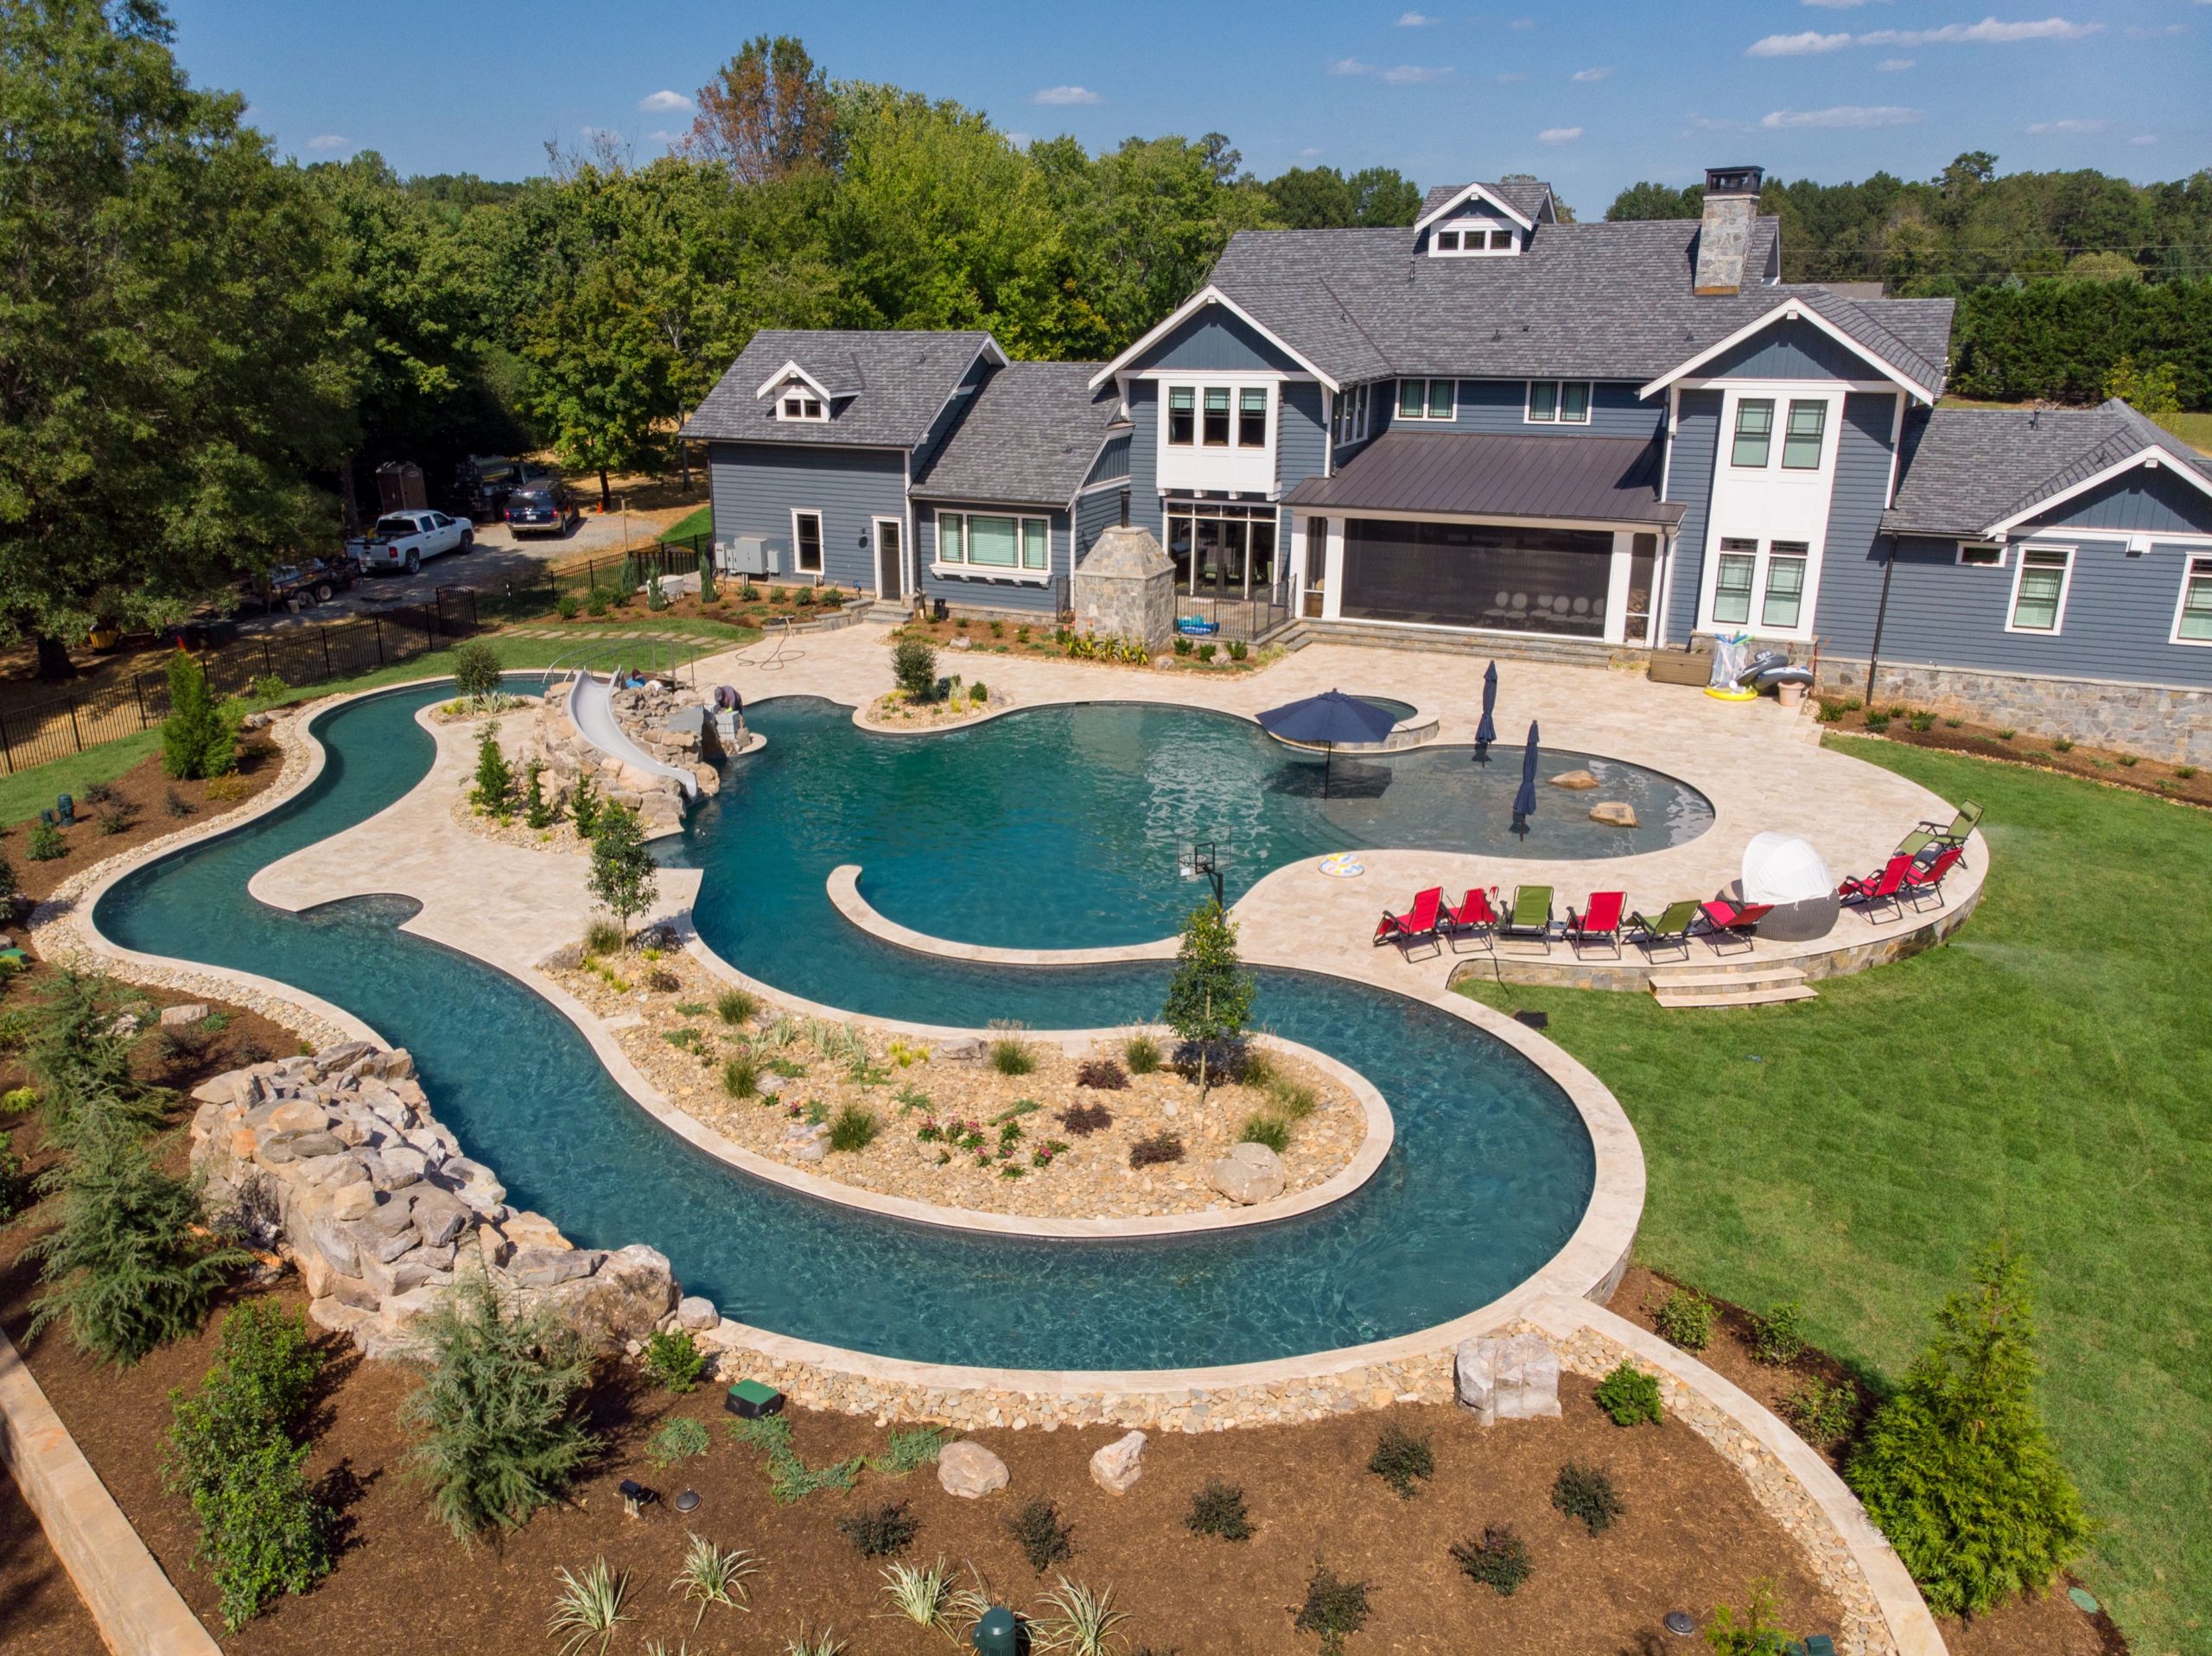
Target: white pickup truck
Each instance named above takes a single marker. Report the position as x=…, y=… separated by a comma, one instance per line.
x=402, y=540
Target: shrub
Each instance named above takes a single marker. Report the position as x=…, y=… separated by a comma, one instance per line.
x=1781, y=1335
x=674, y=1360
x=1400, y=1456
x=1142, y=1053
x=1043, y=1538
x=1587, y=1494
x=225, y=789
x=708, y=592
x=1218, y=1510
x=736, y=1006
x=1628, y=1395
x=1156, y=1149
x=1081, y=1623
x=712, y=1574
x=567, y=606
x=1264, y=1129
x=595, y=602
x=1957, y=1469
x=853, y=1128
x=537, y=812
x=805, y=597
x=2127, y=761
x=2007, y=734
x=604, y=937
x=913, y=665
x=1878, y=721
x=1500, y=1559
x=2185, y=772
x=681, y=1439
x=495, y=778
x=655, y=594
x=1083, y=1119
x=1686, y=1319
x=662, y=981
x=1238, y=650
x=1823, y=1413
x=498, y=1409
x=476, y=669
x=879, y=1532
x=1208, y=652
x=11, y=1182
x=2060, y=745
x=1334, y=1608
x=588, y=1606
x=118, y=818
x=1758, y=1634
x=1010, y=1055
x=1102, y=1075
x=1922, y=721
x=741, y=1076
x=177, y=805
x=1208, y=998
x=197, y=739
x=585, y=808
x=46, y=843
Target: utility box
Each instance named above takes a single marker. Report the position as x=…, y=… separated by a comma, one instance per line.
x=996, y=1635
x=749, y=1399
x=399, y=487
x=749, y=554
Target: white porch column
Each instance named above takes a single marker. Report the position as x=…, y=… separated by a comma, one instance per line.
x=1333, y=566
x=1617, y=587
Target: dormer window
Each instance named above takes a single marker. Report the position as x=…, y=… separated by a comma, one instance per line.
x=800, y=403
x=1473, y=239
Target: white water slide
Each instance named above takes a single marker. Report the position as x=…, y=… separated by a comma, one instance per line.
x=591, y=704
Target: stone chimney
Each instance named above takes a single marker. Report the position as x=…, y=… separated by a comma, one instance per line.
x=1731, y=202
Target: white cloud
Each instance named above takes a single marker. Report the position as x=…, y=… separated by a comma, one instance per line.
x=666, y=137
x=1708, y=124
x=1842, y=116
x=665, y=102
x=1415, y=20
x=1891, y=66
x=2153, y=137
x=1019, y=140
x=328, y=141
x=1064, y=95
x=2070, y=124
x=2135, y=34
x=1988, y=32
x=1349, y=67
x=1590, y=74
x=1415, y=74
x=1559, y=135
x=1309, y=152
x=1796, y=45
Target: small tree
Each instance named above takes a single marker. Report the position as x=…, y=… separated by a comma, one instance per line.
x=655, y=596
x=196, y=741
x=1957, y=1469
x=584, y=808
x=495, y=778
x=1208, y=998
x=913, y=663
x=476, y=669
x=535, y=810
x=708, y=592
x=2150, y=388
x=498, y=1409
x=623, y=875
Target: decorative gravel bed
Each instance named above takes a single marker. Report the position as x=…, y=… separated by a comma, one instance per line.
x=950, y=1128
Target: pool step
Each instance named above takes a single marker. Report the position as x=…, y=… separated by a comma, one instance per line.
x=1764, y=985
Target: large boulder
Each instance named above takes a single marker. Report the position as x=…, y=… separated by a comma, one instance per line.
x=1119, y=1464
x=1249, y=1173
x=623, y=1300
x=968, y=1469
x=1510, y=1379
x=1574, y=780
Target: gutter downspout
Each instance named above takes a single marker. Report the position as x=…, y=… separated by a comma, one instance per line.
x=1881, y=614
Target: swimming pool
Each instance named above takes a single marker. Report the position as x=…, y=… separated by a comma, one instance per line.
x=1489, y=1176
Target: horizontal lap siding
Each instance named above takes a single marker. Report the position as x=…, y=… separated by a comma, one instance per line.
x=1144, y=458
x=1502, y=405
x=1789, y=350
x=2143, y=502
x=1301, y=441
x=982, y=592
x=1852, y=548
x=1689, y=480
x=756, y=485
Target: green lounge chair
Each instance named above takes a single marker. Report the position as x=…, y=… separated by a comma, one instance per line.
x=1531, y=915
x=1670, y=930
x=1928, y=834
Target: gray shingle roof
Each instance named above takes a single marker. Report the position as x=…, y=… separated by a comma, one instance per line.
x=1595, y=301
x=1030, y=437
x=1603, y=479
x=1963, y=470
x=1526, y=199
x=888, y=387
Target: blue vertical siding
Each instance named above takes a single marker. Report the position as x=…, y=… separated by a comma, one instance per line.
x=1301, y=441
x=1215, y=339
x=981, y=591
x=1113, y=459
x=1697, y=441
x=2144, y=502
x=1790, y=351
x=1852, y=550
x=756, y=485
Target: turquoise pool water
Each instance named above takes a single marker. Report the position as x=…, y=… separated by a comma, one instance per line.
x=1489, y=1174
x=1059, y=827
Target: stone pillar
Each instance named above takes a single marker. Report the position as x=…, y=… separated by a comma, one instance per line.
x=1125, y=589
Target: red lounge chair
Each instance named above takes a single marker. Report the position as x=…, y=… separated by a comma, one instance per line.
x=1928, y=881
x=1599, y=922
x=1737, y=920
x=1416, y=926
x=1878, y=888
x=1474, y=917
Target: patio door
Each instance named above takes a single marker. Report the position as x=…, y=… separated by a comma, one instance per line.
x=890, y=559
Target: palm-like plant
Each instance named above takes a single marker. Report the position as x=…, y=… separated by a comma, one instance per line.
x=712, y=1574
x=920, y=1594
x=590, y=1606
x=825, y=1643
x=1082, y=1624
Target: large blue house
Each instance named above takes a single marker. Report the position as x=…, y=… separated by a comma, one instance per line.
x=1582, y=438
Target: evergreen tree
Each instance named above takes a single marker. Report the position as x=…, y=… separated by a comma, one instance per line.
x=78, y=1056
x=124, y=1269
x=584, y=806
x=498, y=1410
x=535, y=811
x=708, y=591
x=1957, y=1469
x=1208, y=998
x=623, y=875
x=194, y=730
x=495, y=778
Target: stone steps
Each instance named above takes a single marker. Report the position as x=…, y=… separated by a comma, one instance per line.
x=1757, y=985
x=1502, y=646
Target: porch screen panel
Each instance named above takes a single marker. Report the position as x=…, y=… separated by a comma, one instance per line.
x=1478, y=575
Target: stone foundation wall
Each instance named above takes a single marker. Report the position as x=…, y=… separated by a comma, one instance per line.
x=2158, y=721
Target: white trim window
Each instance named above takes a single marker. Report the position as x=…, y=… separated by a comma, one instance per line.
x=2192, y=615
x=1218, y=417
x=1804, y=434
x=1428, y=399
x=1183, y=415
x=1735, y=577
x=1753, y=441
x=1351, y=414
x=2039, y=589
x=1558, y=402
x=987, y=543
x=1472, y=238
x=1981, y=555
x=1775, y=580
x=1784, y=604
x=799, y=401
x=806, y=543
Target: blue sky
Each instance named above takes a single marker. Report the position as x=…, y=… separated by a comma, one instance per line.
x=1591, y=97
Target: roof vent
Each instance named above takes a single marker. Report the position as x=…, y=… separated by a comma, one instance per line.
x=1732, y=203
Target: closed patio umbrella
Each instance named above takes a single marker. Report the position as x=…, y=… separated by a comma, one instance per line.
x=1486, y=732
x=1323, y=721
x=1524, y=803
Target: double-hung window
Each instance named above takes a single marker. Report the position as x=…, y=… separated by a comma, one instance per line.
x=1216, y=417
x=1785, y=585
x=2193, y=624
x=1252, y=417
x=1351, y=415
x=1559, y=402
x=991, y=544
x=1733, y=582
x=806, y=540
x=1447, y=241
x=2040, y=589
x=1801, y=438
x=1754, y=432
x=1182, y=416
x=1426, y=399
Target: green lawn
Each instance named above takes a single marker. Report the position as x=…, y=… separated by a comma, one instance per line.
x=27, y=792
x=2048, y=1073
x=701, y=522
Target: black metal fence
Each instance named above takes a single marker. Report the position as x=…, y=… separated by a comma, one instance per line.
x=606, y=572
x=1249, y=619
x=52, y=728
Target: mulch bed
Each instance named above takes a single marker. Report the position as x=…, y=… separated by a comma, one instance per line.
x=138, y=802
x=2049, y=1625
x=966, y=634
x=2117, y=769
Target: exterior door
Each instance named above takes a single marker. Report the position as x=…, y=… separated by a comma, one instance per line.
x=890, y=559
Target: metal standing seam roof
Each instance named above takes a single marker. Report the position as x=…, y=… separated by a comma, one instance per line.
x=1961, y=469
x=1596, y=480
x=888, y=387
x=1029, y=436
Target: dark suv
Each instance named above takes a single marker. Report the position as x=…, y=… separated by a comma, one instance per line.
x=543, y=506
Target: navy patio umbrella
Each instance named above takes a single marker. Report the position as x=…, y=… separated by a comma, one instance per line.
x=1524, y=803
x=1323, y=721
x=1486, y=732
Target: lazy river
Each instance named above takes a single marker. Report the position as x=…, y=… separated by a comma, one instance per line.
x=1490, y=1173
